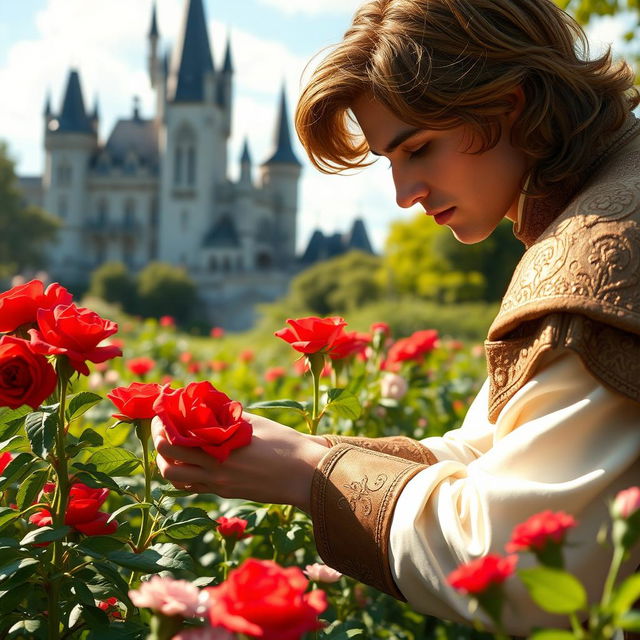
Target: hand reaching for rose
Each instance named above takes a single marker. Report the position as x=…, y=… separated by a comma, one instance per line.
x=276, y=467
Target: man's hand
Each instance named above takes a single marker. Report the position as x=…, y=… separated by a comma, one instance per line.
x=277, y=466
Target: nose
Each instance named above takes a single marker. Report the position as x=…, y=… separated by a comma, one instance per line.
x=410, y=190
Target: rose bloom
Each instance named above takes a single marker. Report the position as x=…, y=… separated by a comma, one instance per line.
x=301, y=367
x=219, y=365
x=312, y=334
x=626, y=503
x=75, y=332
x=477, y=576
x=247, y=356
x=232, y=527
x=539, y=530
x=5, y=459
x=217, y=332
x=349, y=343
x=20, y=305
x=274, y=373
x=263, y=599
x=110, y=607
x=321, y=573
x=167, y=596
x=201, y=416
x=140, y=366
x=82, y=511
x=25, y=377
x=393, y=386
x=186, y=357
x=135, y=402
x=413, y=348
x=167, y=322
x=381, y=327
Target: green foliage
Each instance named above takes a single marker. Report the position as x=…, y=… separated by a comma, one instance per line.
x=112, y=282
x=337, y=285
x=164, y=289
x=24, y=230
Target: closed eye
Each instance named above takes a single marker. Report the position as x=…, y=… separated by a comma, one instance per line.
x=419, y=151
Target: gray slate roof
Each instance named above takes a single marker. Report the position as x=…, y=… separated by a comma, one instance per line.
x=136, y=135
x=322, y=247
x=222, y=235
x=283, y=153
x=73, y=117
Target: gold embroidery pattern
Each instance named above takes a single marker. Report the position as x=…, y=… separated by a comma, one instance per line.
x=358, y=493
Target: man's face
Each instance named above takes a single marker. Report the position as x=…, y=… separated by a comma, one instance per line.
x=470, y=193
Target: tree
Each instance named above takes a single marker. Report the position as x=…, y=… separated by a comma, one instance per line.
x=25, y=230
x=337, y=285
x=112, y=282
x=164, y=289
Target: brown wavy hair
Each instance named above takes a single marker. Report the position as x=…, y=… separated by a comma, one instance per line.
x=441, y=63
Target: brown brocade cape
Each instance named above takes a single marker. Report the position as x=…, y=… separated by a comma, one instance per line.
x=578, y=284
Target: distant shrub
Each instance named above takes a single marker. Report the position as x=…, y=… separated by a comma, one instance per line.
x=113, y=283
x=164, y=289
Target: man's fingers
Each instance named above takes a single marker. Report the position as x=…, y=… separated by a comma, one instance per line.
x=181, y=473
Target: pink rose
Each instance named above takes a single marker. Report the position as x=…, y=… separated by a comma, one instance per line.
x=168, y=596
x=321, y=573
x=393, y=386
x=627, y=502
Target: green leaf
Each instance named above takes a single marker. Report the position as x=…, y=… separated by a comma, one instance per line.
x=288, y=541
x=129, y=507
x=11, y=598
x=187, y=523
x=16, y=469
x=108, y=582
x=80, y=592
x=94, y=478
x=626, y=594
x=554, y=590
x=153, y=560
x=174, y=557
x=41, y=429
x=33, y=629
x=29, y=489
x=24, y=567
x=91, y=437
x=81, y=403
x=119, y=631
x=8, y=416
x=5, y=443
x=99, y=546
x=630, y=621
x=115, y=461
x=7, y=515
x=552, y=634
x=343, y=404
x=279, y=404
x=45, y=534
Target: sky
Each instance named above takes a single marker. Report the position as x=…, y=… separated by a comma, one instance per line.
x=272, y=41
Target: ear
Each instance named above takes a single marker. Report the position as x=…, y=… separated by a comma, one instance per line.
x=517, y=101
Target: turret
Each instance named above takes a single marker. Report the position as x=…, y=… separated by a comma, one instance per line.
x=225, y=87
x=280, y=175
x=245, y=165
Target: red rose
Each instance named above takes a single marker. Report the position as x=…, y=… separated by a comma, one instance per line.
x=232, y=527
x=217, y=332
x=5, y=459
x=75, y=332
x=312, y=334
x=274, y=373
x=247, y=356
x=219, y=365
x=265, y=600
x=626, y=502
x=20, y=305
x=82, y=511
x=540, y=529
x=167, y=322
x=381, y=327
x=412, y=348
x=140, y=366
x=477, y=576
x=201, y=416
x=135, y=402
x=25, y=377
x=348, y=344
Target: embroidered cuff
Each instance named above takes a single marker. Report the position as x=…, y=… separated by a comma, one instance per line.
x=353, y=495
x=399, y=446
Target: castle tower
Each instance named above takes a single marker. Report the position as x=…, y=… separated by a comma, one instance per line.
x=194, y=143
x=153, y=59
x=70, y=140
x=280, y=175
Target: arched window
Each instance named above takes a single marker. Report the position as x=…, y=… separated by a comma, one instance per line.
x=185, y=169
x=63, y=174
x=263, y=261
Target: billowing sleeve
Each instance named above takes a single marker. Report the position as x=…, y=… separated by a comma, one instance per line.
x=563, y=442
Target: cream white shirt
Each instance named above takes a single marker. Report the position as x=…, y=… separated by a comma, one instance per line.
x=563, y=442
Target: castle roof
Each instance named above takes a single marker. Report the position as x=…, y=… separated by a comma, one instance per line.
x=153, y=30
x=194, y=60
x=283, y=153
x=73, y=117
x=137, y=135
x=322, y=247
x=222, y=235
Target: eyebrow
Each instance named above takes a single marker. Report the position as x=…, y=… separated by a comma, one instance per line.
x=398, y=140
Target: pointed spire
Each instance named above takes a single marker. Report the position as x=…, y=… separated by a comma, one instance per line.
x=47, y=104
x=283, y=153
x=245, y=158
x=96, y=109
x=194, y=60
x=73, y=116
x=227, y=66
x=153, y=30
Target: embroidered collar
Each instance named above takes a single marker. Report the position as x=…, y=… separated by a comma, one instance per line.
x=536, y=214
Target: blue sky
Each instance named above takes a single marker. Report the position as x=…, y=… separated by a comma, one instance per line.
x=272, y=41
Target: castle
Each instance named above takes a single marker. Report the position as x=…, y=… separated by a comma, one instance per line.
x=158, y=189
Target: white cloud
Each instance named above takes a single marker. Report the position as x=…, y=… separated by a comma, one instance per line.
x=315, y=7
